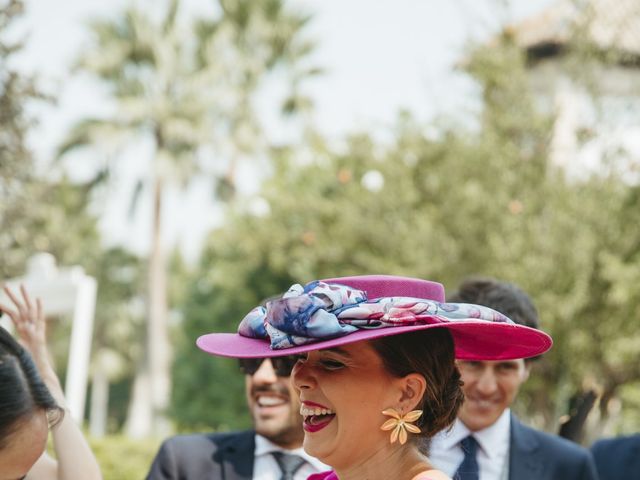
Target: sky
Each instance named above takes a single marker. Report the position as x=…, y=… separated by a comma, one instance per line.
x=379, y=56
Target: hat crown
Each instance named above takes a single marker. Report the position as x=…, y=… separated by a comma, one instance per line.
x=377, y=286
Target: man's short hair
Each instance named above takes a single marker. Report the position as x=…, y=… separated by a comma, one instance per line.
x=504, y=297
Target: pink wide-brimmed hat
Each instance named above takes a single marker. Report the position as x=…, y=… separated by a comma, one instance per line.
x=340, y=311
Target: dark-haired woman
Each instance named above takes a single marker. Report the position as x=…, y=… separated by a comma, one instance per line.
x=376, y=375
x=32, y=404
x=361, y=386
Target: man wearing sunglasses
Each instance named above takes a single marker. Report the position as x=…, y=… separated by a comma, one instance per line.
x=272, y=451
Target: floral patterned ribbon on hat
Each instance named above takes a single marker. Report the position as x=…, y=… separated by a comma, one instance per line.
x=320, y=311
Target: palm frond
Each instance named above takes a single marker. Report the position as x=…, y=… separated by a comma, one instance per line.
x=135, y=198
x=79, y=136
x=170, y=20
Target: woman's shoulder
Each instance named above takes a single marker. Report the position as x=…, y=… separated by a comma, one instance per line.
x=431, y=475
x=45, y=467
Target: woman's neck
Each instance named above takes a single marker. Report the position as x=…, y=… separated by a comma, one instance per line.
x=401, y=463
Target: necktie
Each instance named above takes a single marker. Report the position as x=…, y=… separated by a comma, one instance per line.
x=468, y=469
x=289, y=464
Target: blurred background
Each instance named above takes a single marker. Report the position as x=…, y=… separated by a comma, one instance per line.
x=193, y=157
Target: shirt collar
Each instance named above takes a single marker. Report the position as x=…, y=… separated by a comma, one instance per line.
x=264, y=446
x=495, y=438
x=450, y=438
x=491, y=439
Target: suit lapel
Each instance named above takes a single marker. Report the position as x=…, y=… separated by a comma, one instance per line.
x=524, y=461
x=235, y=455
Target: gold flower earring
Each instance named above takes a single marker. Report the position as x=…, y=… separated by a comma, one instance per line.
x=400, y=424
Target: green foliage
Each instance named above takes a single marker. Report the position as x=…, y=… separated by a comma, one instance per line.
x=39, y=214
x=186, y=86
x=121, y=458
x=35, y=214
x=449, y=205
x=442, y=205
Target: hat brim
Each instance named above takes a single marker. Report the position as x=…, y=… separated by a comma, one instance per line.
x=474, y=340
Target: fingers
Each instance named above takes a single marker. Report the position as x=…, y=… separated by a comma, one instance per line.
x=25, y=297
x=10, y=294
x=15, y=318
x=11, y=313
x=23, y=312
x=20, y=314
x=40, y=315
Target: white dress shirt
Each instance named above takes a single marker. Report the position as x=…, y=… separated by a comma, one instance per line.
x=492, y=455
x=265, y=466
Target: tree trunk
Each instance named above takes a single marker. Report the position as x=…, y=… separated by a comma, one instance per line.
x=151, y=389
x=159, y=357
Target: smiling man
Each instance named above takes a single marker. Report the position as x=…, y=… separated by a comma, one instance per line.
x=488, y=442
x=272, y=451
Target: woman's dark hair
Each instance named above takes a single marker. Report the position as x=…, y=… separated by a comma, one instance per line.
x=22, y=391
x=431, y=354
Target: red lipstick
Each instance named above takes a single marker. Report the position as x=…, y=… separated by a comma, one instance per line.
x=315, y=428
x=314, y=423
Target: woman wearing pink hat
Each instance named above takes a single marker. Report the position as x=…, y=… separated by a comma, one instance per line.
x=376, y=369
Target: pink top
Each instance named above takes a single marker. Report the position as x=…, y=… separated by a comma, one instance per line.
x=332, y=476
x=423, y=476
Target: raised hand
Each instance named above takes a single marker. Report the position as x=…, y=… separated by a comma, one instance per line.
x=28, y=318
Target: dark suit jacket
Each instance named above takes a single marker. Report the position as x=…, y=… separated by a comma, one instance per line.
x=215, y=456
x=535, y=455
x=617, y=458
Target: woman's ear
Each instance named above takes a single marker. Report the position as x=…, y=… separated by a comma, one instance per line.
x=413, y=387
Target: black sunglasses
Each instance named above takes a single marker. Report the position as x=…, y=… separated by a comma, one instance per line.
x=281, y=365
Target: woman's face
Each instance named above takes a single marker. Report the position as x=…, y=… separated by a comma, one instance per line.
x=343, y=392
x=24, y=447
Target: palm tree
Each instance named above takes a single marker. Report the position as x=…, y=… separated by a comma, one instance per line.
x=187, y=86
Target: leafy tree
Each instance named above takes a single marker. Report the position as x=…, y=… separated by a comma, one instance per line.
x=15, y=160
x=35, y=214
x=441, y=206
x=186, y=88
x=40, y=214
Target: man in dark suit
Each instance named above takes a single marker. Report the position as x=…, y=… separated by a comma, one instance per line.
x=487, y=442
x=617, y=458
x=273, y=451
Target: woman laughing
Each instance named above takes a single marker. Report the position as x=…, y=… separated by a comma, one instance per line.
x=376, y=374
